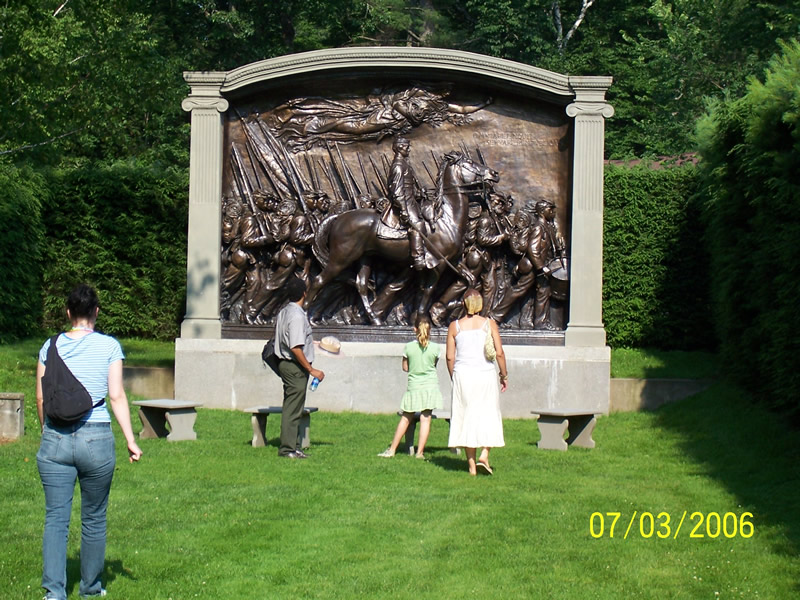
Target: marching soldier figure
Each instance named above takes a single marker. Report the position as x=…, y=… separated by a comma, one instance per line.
x=544, y=242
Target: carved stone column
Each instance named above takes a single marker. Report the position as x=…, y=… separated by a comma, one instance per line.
x=207, y=105
x=585, y=326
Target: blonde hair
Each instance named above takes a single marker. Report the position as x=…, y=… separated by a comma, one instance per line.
x=473, y=301
x=423, y=326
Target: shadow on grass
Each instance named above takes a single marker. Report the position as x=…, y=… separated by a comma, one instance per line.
x=446, y=459
x=111, y=569
x=751, y=451
x=449, y=463
x=275, y=442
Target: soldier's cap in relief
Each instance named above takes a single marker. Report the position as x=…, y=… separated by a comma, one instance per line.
x=542, y=203
x=400, y=141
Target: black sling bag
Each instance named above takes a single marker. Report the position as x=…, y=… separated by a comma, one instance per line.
x=269, y=357
x=65, y=400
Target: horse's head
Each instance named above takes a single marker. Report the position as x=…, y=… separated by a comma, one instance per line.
x=468, y=173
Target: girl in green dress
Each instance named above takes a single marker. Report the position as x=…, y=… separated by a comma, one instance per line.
x=422, y=393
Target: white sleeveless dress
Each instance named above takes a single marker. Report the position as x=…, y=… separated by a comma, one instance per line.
x=475, y=421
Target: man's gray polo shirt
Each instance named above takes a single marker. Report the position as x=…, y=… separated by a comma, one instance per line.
x=292, y=329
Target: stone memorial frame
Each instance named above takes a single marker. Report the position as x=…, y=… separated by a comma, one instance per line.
x=568, y=373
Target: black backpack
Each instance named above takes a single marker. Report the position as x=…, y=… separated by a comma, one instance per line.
x=65, y=400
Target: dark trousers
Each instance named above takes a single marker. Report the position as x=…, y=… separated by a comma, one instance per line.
x=295, y=384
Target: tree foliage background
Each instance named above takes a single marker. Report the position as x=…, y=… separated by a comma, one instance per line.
x=103, y=78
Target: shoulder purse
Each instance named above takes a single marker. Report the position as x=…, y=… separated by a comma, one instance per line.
x=488, y=346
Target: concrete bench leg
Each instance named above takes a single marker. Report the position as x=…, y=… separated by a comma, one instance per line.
x=154, y=422
x=552, y=431
x=259, y=422
x=580, y=431
x=410, y=433
x=303, y=437
x=181, y=422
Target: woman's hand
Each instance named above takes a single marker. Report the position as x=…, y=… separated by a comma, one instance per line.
x=134, y=452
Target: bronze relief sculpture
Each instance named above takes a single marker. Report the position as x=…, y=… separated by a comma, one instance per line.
x=390, y=203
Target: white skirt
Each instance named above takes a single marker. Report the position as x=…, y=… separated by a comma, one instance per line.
x=475, y=420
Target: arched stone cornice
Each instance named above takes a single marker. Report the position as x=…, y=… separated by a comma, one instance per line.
x=419, y=59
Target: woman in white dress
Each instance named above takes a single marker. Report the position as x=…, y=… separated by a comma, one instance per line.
x=476, y=420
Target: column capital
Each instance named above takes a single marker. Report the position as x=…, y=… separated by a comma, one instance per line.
x=204, y=102
x=205, y=91
x=590, y=109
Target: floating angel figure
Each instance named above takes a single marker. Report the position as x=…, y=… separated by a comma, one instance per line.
x=305, y=122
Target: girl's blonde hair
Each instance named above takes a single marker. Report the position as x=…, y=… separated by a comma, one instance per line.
x=473, y=301
x=423, y=326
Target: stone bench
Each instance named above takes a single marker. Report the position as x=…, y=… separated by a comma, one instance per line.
x=412, y=427
x=553, y=424
x=259, y=416
x=155, y=414
x=12, y=416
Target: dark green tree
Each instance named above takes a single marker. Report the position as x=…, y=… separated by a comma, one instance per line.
x=751, y=157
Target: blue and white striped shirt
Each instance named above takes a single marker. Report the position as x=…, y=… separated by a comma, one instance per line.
x=89, y=358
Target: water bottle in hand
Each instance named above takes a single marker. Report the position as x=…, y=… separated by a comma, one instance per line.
x=314, y=384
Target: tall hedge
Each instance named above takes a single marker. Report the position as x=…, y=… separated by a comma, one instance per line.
x=122, y=228
x=751, y=170
x=21, y=193
x=656, y=277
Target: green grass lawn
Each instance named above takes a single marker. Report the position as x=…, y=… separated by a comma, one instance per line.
x=660, y=364
x=216, y=518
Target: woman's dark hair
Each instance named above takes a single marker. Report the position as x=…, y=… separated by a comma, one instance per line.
x=82, y=302
x=295, y=288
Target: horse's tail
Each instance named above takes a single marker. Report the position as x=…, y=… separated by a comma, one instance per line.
x=320, y=244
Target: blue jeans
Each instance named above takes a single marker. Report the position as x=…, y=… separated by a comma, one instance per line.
x=84, y=452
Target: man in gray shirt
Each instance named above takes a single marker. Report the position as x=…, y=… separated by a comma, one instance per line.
x=294, y=346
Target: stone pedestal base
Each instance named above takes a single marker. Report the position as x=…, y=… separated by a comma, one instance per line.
x=367, y=377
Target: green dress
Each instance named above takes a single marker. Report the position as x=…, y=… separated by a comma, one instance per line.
x=423, y=391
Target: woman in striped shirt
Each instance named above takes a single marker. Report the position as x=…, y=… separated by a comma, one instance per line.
x=83, y=450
